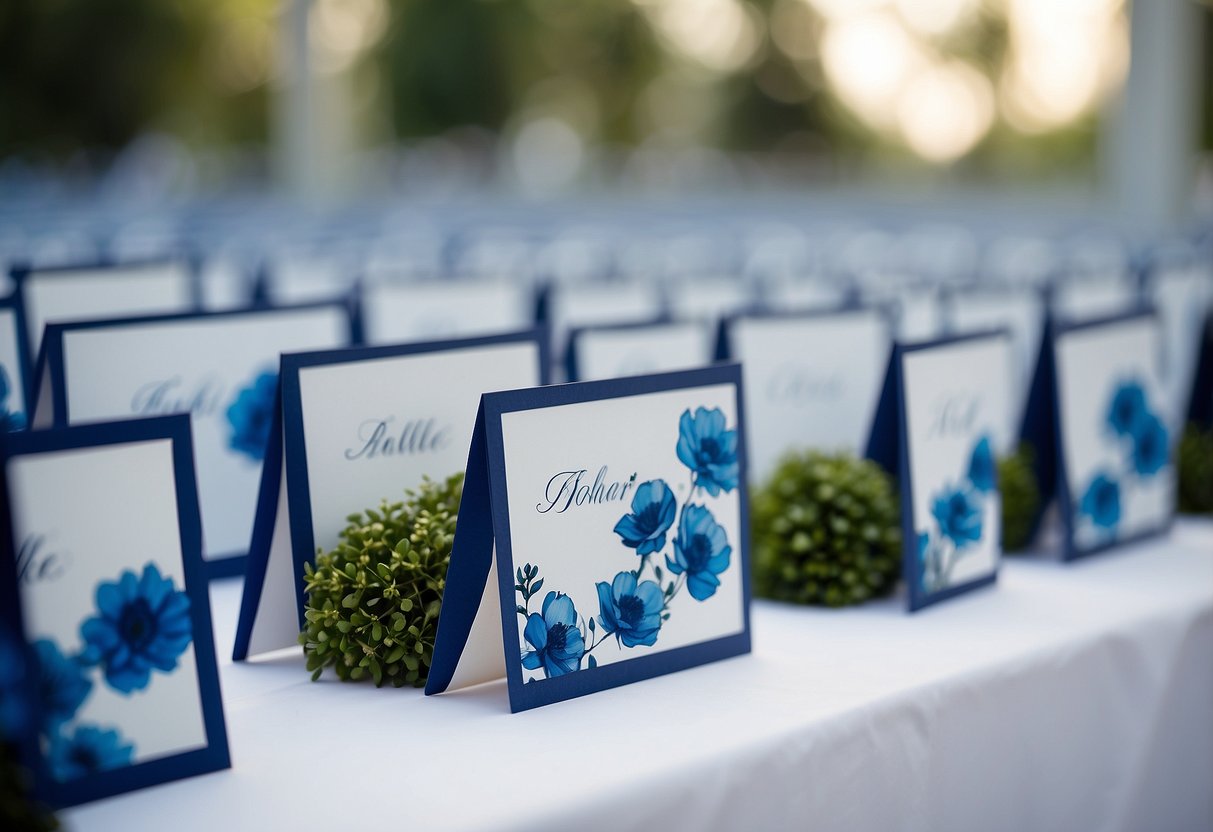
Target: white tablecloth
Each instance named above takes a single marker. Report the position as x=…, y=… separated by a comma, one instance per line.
x=1067, y=697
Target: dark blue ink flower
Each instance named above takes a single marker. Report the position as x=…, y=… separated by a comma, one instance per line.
x=251, y=415
x=653, y=511
x=143, y=625
x=86, y=751
x=557, y=645
x=1101, y=501
x=983, y=471
x=701, y=550
x=959, y=514
x=9, y=420
x=62, y=685
x=1151, y=448
x=1127, y=408
x=14, y=697
x=630, y=610
x=708, y=449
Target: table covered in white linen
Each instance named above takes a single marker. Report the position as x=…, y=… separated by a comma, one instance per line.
x=1066, y=697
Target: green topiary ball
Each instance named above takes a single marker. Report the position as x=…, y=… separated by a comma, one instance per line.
x=373, y=602
x=825, y=531
x=1194, y=459
x=1020, y=497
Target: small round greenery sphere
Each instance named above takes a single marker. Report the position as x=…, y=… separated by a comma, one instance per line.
x=373, y=601
x=1194, y=459
x=1020, y=497
x=825, y=531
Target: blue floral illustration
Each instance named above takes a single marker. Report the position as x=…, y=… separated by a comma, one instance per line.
x=10, y=420
x=62, y=684
x=1127, y=408
x=708, y=449
x=653, y=512
x=87, y=750
x=251, y=415
x=143, y=624
x=631, y=610
x=14, y=698
x=983, y=470
x=701, y=550
x=1151, y=448
x=556, y=644
x=959, y=514
x=1101, y=501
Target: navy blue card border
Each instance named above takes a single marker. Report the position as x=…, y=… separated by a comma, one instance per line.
x=603, y=677
x=215, y=756
x=1065, y=498
x=52, y=359
x=298, y=484
x=893, y=405
x=26, y=367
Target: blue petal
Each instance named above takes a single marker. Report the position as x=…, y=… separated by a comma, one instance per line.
x=623, y=585
x=702, y=585
x=531, y=660
x=650, y=595
x=559, y=610
x=536, y=631
x=606, y=605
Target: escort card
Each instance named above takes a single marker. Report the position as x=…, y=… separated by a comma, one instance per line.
x=355, y=427
x=571, y=305
x=598, y=352
x=1100, y=404
x=814, y=380
x=397, y=312
x=1183, y=298
x=106, y=553
x=90, y=293
x=941, y=425
x=14, y=367
x=220, y=367
x=708, y=298
x=602, y=538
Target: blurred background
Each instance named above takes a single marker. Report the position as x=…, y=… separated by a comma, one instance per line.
x=1092, y=106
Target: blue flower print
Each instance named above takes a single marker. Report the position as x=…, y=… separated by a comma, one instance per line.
x=1151, y=449
x=701, y=550
x=86, y=751
x=143, y=624
x=983, y=471
x=251, y=416
x=653, y=511
x=1101, y=501
x=708, y=449
x=1127, y=408
x=959, y=514
x=631, y=610
x=556, y=643
x=9, y=420
x=62, y=685
x=14, y=698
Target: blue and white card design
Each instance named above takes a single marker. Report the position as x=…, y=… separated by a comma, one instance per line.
x=90, y=293
x=813, y=379
x=1116, y=481
x=399, y=312
x=572, y=305
x=355, y=427
x=220, y=367
x=1183, y=298
x=942, y=423
x=599, y=352
x=14, y=368
x=602, y=537
x=106, y=551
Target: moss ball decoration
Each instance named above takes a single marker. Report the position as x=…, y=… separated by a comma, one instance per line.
x=373, y=602
x=18, y=810
x=1194, y=458
x=826, y=531
x=1020, y=497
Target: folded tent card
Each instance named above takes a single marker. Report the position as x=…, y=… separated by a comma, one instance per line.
x=942, y=422
x=354, y=427
x=14, y=367
x=220, y=367
x=102, y=291
x=602, y=537
x=105, y=551
x=615, y=350
x=813, y=378
x=1099, y=409
x=397, y=312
